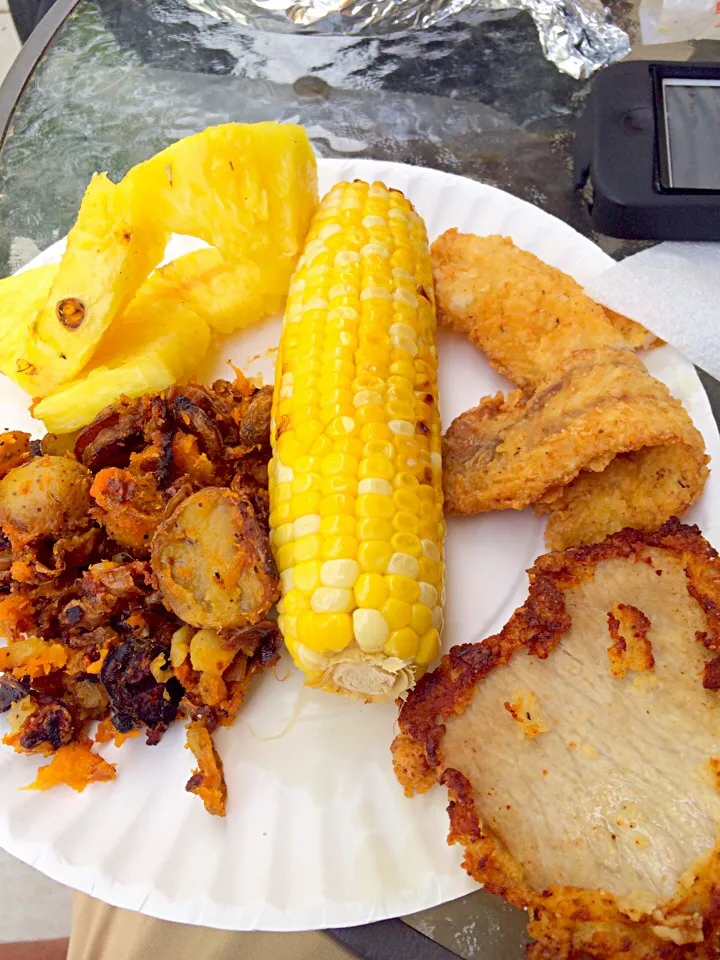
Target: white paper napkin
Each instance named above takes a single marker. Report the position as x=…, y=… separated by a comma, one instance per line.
x=674, y=290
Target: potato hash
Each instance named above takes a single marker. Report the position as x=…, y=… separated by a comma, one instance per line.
x=136, y=578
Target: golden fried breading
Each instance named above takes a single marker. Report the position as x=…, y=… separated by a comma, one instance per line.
x=559, y=450
x=527, y=316
x=602, y=819
x=207, y=780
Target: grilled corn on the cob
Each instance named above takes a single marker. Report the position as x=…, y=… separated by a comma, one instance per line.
x=355, y=480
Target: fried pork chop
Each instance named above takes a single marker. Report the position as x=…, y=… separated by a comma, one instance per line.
x=527, y=316
x=599, y=446
x=581, y=749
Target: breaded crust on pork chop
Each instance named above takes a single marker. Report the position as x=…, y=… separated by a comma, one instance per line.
x=581, y=749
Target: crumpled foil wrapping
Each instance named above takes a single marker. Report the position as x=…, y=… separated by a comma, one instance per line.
x=578, y=36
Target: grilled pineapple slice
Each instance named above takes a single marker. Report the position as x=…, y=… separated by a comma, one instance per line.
x=21, y=297
x=110, y=252
x=249, y=189
x=228, y=296
x=158, y=340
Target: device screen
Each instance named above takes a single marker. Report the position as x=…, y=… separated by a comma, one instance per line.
x=692, y=129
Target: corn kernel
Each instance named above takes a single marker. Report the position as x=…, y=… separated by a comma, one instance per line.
x=374, y=555
x=429, y=646
x=405, y=522
x=282, y=514
x=332, y=600
x=375, y=505
x=285, y=556
x=283, y=493
x=307, y=464
x=428, y=594
x=371, y=432
x=402, y=643
x=325, y=631
x=405, y=499
x=306, y=525
x=398, y=613
x=374, y=528
x=378, y=448
x=307, y=548
x=305, y=504
x=403, y=563
x=403, y=480
x=370, y=590
x=337, y=503
x=404, y=588
x=437, y=618
x=339, y=523
x=339, y=547
x=430, y=571
x=339, y=463
x=348, y=445
x=294, y=603
x=338, y=484
x=283, y=534
x=421, y=618
x=321, y=447
x=306, y=576
x=305, y=483
x=339, y=573
x=375, y=485
x=379, y=467
x=371, y=630
x=406, y=543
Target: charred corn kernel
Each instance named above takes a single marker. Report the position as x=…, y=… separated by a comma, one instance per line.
x=355, y=480
x=429, y=646
x=402, y=643
x=370, y=590
x=374, y=555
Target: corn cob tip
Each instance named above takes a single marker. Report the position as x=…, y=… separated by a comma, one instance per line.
x=372, y=677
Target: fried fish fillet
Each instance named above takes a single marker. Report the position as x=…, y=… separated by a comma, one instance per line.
x=581, y=750
x=600, y=445
x=527, y=316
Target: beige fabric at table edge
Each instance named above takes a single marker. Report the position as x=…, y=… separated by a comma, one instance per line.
x=102, y=932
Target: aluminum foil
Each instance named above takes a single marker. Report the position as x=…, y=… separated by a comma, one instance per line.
x=578, y=36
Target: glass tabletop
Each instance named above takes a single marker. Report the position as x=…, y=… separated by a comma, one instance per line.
x=120, y=79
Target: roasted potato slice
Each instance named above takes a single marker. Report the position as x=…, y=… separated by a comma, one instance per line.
x=213, y=561
x=158, y=340
x=112, y=248
x=249, y=189
x=46, y=497
x=228, y=296
x=21, y=298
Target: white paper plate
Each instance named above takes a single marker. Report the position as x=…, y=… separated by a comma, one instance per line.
x=318, y=832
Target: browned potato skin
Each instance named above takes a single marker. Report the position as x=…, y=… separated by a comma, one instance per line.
x=213, y=561
x=46, y=497
x=14, y=448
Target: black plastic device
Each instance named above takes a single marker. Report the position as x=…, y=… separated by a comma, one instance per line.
x=647, y=151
